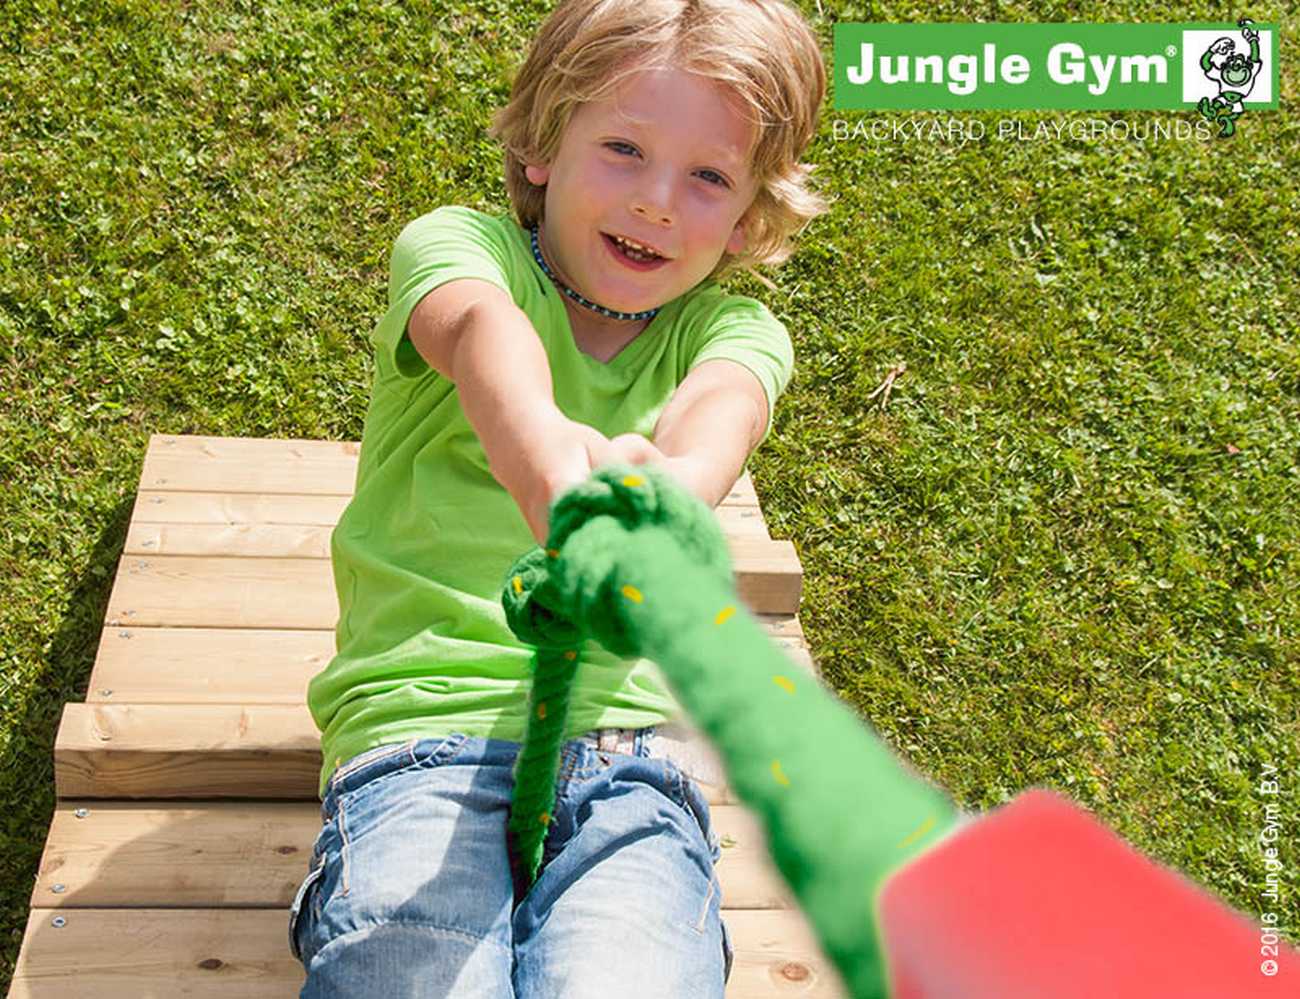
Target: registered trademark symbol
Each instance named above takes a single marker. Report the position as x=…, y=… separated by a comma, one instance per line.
x=1171, y=51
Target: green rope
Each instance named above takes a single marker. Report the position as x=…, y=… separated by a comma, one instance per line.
x=637, y=563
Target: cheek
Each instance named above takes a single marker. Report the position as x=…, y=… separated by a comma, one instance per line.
x=711, y=222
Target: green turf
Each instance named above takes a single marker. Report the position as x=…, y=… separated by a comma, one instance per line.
x=1064, y=554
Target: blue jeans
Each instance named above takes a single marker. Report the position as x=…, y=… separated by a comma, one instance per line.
x=410, y=892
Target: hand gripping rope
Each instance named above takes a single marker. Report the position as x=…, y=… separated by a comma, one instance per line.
x=640, y=565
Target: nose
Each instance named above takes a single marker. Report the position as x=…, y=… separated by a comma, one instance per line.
x=659, y=217
x=653, y=201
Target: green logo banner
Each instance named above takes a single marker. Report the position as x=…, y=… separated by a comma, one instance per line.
x=1084, y=67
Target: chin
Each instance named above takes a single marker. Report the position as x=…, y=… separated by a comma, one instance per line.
x=635, y=303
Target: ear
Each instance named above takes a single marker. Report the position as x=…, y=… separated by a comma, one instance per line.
x=739, y=236
x=537, y=173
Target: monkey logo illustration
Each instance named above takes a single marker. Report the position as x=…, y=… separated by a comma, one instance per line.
x=1235, y=73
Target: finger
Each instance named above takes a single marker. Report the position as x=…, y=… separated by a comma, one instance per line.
x=612, y=452
x=600, y=452
x=538, y=524
x=636, y=450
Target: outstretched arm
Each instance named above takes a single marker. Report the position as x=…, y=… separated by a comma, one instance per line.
x=705, y=433
x=709, y=427
x=463, y=329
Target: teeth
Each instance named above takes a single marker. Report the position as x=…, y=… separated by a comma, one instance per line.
x=633, y=245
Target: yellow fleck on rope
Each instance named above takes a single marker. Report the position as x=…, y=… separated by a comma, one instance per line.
x=781, y=778
x=553, y=552
x=518, y=584
x=541, y=710
x=570, y=655
x=784, y=683
x=544, y=818
x=632, y=593
x=725, y=613
x=632, y=481
x=917, y=833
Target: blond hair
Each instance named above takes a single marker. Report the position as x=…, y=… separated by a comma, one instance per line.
x=761, y=50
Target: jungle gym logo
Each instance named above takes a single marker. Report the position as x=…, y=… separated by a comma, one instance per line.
x=1233, y=72
x=1217, y=70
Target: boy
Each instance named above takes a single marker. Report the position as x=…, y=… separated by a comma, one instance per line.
x=651, y=145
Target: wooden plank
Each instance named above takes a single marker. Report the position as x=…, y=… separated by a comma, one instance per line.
x=777, y=954
x=158, y=507
x=281, y=540
x=194, y=463
x=258, y=665
x=186, y=751
x=216, y=592
x=321, y=509
x=214, y=751
x=220, y=953
x=212, y=854
x=201, y=751
x=207, y=665
x=229, y=540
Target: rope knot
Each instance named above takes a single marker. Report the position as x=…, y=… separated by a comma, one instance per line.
x=553, y=599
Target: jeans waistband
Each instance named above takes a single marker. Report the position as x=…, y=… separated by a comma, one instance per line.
x=628, y=741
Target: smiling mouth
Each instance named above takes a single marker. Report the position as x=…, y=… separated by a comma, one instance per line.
x=633, y=250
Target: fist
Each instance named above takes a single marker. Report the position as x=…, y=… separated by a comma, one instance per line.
x=631, y=449
x=688, y=472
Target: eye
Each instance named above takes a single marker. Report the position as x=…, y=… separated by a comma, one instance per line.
x=713, y=177
x=622, y=147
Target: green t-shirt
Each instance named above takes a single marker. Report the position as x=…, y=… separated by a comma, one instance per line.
x=421, y=551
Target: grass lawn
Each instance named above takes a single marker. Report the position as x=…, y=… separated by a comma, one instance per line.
x=1064, y=553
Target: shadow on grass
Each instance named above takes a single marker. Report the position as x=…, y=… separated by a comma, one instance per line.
x=27, y=759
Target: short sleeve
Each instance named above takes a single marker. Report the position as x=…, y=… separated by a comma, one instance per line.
x=446, y=244
x=743, y=330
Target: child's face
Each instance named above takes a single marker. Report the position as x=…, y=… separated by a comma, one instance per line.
x=664, y=161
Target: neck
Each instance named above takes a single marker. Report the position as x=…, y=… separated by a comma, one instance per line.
x=598, y=337
x=572, y=294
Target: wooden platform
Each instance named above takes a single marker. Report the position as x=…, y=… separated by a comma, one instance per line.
x=187, y=780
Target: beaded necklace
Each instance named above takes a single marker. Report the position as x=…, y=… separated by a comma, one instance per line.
x=611, y=313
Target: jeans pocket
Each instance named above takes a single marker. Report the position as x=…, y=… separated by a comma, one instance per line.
x=372, y=756
x=300, y=903
x=374, y=767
